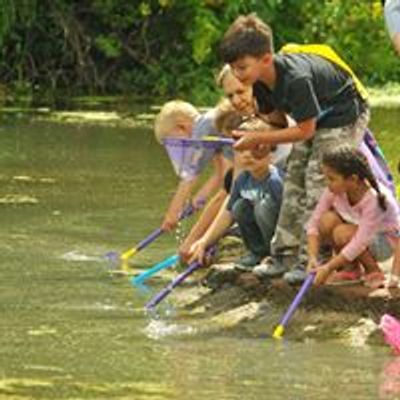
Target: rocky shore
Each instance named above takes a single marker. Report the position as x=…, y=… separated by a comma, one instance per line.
x=223, y=298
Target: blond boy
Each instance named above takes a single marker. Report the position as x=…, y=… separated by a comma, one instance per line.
x=181, y=119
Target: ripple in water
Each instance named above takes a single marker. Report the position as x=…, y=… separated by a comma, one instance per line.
x=76, y=255
x=157, y=329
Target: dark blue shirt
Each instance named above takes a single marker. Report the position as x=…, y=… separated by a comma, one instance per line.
x=308, y=86
x=247, y=187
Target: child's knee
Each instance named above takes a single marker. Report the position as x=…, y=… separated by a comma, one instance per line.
x=241, y=209
x=342, y=234
x=266, y=210
x=328, y=222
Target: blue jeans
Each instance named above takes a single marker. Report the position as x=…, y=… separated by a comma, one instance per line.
x=257, y=222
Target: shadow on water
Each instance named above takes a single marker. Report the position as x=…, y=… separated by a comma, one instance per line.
x=70, y=330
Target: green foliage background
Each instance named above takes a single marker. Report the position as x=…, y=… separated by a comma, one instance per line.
x=168, y=48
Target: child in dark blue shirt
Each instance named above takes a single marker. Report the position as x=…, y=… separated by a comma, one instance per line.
x=254, y=203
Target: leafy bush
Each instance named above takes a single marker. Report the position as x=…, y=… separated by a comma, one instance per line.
x=168, y=48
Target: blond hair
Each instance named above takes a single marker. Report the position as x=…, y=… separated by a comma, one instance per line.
x=256, y=123
x=226, y=117
x=171, y=114
x=223, y=73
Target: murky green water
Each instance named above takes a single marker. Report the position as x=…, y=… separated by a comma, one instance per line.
x=70, y=331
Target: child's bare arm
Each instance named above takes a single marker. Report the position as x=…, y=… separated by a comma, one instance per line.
x=302, y=131
x=221, y=165
x=177, y=204
x=206, y=218
x=221, y=223
x=313, y=251
x=326, y=269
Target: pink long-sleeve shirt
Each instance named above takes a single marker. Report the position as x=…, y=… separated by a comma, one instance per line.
x=366, y=214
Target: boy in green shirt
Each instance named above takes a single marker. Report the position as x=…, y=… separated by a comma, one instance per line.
x=328, y=106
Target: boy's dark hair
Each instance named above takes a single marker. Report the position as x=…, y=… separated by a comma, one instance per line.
x=247, y=36
x=346, y=161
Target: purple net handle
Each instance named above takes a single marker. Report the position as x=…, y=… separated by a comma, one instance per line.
x=177, y=281
x=215, y=142
x=153, y=236
x=226, y=141
x=168, y=289
x=189, y=210
x=299, y=296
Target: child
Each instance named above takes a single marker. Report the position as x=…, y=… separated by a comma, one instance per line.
x=238, y=105
x=326, y=101
x=226, y=119
x=254, y=204
x=392, y=18
x=358, y=217
x=181, y=119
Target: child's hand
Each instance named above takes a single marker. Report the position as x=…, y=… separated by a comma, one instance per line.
x=197, y=251
x=247, y=140
x=184, y=251
x=321, y=274
x=198, y=202
x=312, y=264
x=170, y=222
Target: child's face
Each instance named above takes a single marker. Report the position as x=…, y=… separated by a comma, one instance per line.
x=239, y=94
x=182, y=128
x=249, y=69
x=252, y=162
x=337, y=183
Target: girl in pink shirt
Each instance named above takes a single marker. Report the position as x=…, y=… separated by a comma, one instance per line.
x=359, y=219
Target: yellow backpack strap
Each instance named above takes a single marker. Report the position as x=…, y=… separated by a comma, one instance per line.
x=329, y=54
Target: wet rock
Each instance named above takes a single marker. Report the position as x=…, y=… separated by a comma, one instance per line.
x=237, y=315
x=241, y=302
x=221, y=274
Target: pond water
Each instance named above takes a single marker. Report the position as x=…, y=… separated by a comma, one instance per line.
x=69, y=330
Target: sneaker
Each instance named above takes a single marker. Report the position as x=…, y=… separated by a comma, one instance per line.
x=295, y=276
x=272, y=269
x=248, y=262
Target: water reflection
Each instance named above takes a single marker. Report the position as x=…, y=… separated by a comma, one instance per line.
x=390, y=378
x=70, y=329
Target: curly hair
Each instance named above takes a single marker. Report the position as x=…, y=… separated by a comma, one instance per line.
x=347, y=160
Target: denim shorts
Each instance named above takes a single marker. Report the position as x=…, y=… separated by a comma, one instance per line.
x=380, y=248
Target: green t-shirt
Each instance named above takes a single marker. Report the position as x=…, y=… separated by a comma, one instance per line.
x=309, y=86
